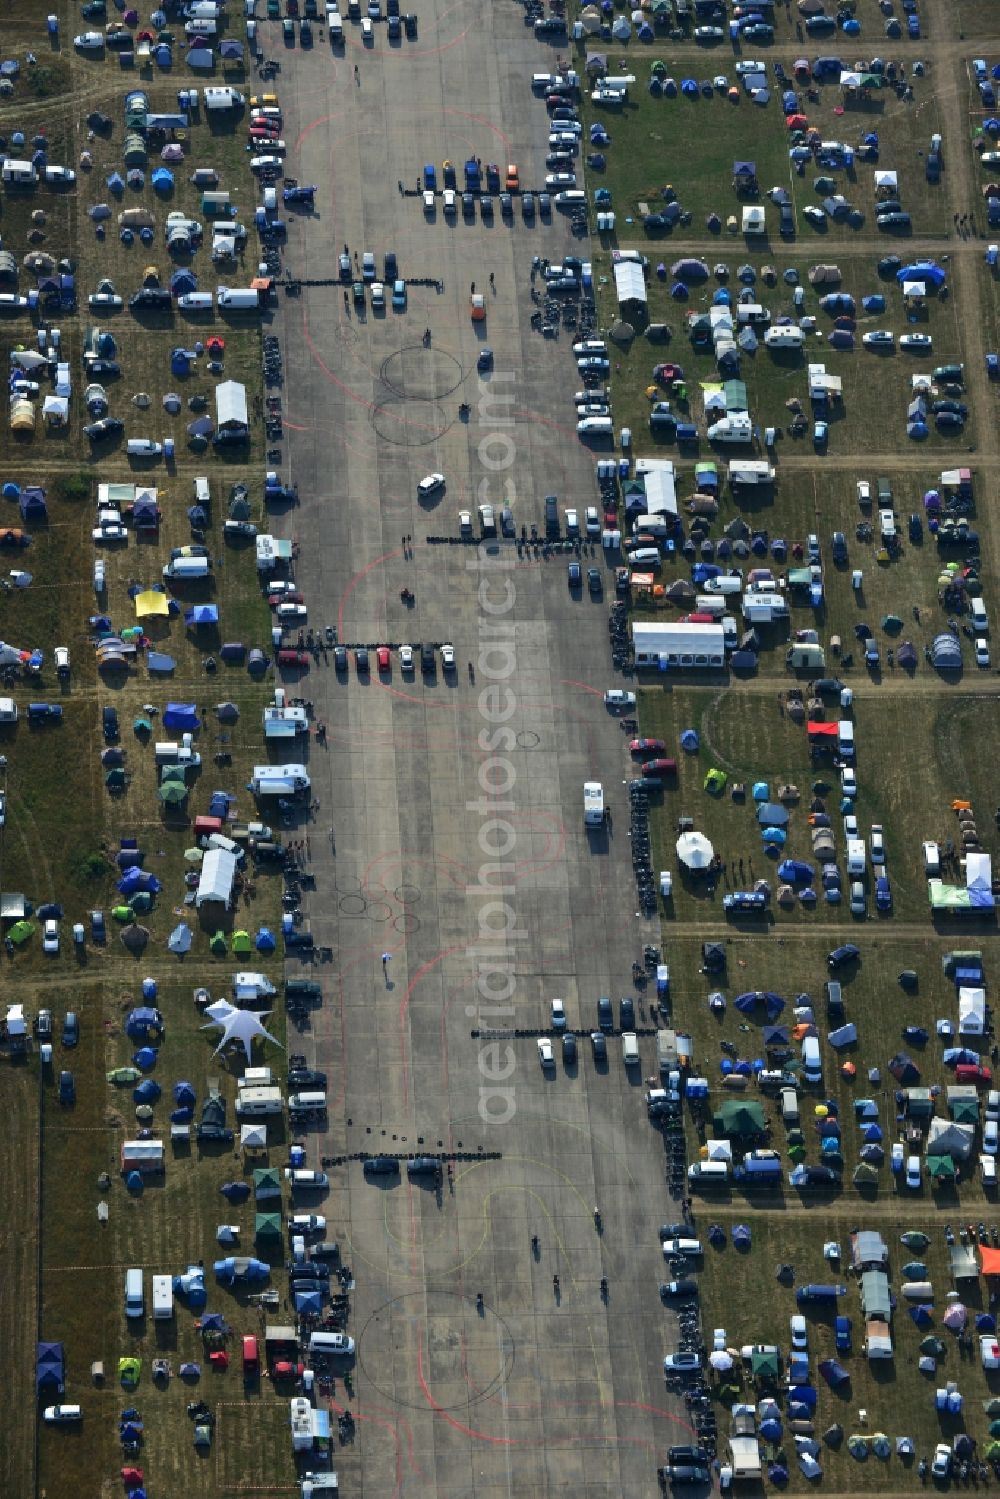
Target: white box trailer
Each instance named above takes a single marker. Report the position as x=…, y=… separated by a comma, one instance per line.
x=163, y=1298
x=224, y=98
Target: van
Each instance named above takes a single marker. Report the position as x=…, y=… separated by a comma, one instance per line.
x=978, y=615
x=135, y=1300
x=596, y=426
x=789, y=1101
x=724, y=583
x=570, y=197
x=238, y=298
x=883, y=490
x=163, y=1298
x=932, y=858
x=630, y=1048
x=330, y=1343
x=253, y=1103
x=186, y=568
x=195, y=301
x=812, y=1066
x=845, y=739
x=336, y=28
x=710, y=1173
x=644, y=557
x=855, y=856
x=299, y=1103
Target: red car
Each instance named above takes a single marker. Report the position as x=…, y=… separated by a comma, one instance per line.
x=659, y=767
x=288, y=657
x=382, y=657
x=251, y=1358
x=975, y=1073
x=274, y=599
x=638, y=746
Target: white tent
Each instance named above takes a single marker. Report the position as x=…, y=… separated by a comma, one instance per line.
x=218, y=871
x=253, y=1136
x=237, y=1025
x=694, y=850
x=630, y=283
x=971, y=1011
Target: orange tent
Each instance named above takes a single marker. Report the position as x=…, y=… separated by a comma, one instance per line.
x=990, y=1259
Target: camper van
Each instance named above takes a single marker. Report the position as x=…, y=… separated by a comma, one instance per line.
x=163, y=1298
x=257, y=1102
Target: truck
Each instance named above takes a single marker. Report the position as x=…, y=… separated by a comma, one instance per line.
x=593, y=804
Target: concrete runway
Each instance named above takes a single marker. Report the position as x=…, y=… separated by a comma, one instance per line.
x=458, y=841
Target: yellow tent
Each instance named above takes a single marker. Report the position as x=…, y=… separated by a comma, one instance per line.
x=151, y=602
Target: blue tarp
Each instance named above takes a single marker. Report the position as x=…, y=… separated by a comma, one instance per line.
x=182, y=716
x=201, y=614
x=803, y=1394
x=844, y=1035
x=158, y=661
x=922, y=270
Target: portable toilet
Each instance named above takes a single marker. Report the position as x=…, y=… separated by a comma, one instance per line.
x=52, y=22
x=168, y=448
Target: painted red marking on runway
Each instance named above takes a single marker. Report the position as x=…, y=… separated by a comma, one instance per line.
x=439, y=1410
x=376, y=562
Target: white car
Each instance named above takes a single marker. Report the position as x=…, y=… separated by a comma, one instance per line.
x=430, y=484
x=487, y=519
x=546, y=1057
x=367, y=33
x=61, y=657
x=558, y=1015
x=572, y=523
x=307, y=1223
x=982, y=654
x=617, y=698
x=916, y=341
x=290, y=613
x=941, y=1466
x=448, y=657
x=913, y=1171
x=374, y=9
x=449, y=201
x=879, y=338
x=53, y=1414
x=864, y=493
x=991, y=1136
x=848, y=781
x=110, y=531
x=378, y=294
x=368, y=266
x=850, y=825
x=813, y=214
x=561, y=179
x=50, y=936
x=897, y=1157
x=800, y=1335
x=878, y=844
x=265, y=164
x=109, y=299
x=89, y=41
x=406, y=657
x=465, y=522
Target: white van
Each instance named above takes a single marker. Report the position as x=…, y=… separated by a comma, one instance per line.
x=336, y=27
x=195, y=301
x=845, y=739
x=711, y=1172
x=302, y=1102
x=596, y=426
x=163, y=1298
x=886, y=524
x=571, y=197
x=932, y=858
x=644, y=557
x=331, y=1343
x=135, y=1298
x=187, y=568
x=855, y=856
x=789, y=1106
x=710, y=603
x=978, y=615
x=238, y=298
x=630, y=1048
x=812, y=1065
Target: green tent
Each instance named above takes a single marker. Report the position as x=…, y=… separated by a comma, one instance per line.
x=715, y=781
x=115, y=779
x=122, y=913
x=218, y=944
x=20, y=932
x=992, y=1449
x=141, y=726
x=739, y=1117
x=965, y=1110
x=865, y=1174
x=267, y=1228
x=142, y=900
x=123, y=1075
x=172, y=791
x=129, y=1370
x=797, y=1153
x=764, y=1363
x=241, y=942
x=940, y=1168
x=266, y=1182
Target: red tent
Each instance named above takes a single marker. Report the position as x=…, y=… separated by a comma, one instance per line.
x=822, y=730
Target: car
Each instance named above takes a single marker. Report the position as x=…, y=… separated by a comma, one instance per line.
x=423, y=1165
x=487, y=520
x=375, y=10
x=382, y=657
x=361, y=660
x=919, y=341
x=838, y=547
x=427, y=662
x=378, y=295
x=50, y=936
x=544, y=205
x=675, y=1290
x=67, y=1087
x=682, y=1362
x=821, y=432
x=108, y=426
x=815, y=215
x=799, y=1331
x=369, y=271
x=484, y=360
x=661, y=766
x=465, y=523
x=98, y=930
x=367, y=32
x=528, y=205
x=305, y=1077
x=568, y=1048
x=399, y=295
x=394, y=28
x=879, y=338
x=546, y=1057
x=618, y=699
x=599, y=1046
x=786, y=221
x=89, y=41
x=307, y=1223
x=340, y=658
x=883, y=893
x=406, y=658
x=558, y=1020
x=288, y=613
x=859, y=905
x=595, y=582
x=842, y=1334
x=448, y=657
x=878, y=843
x=486, y=206
x=345, y=267
x=941, y=1466
x=841, y=956
x=982, y=651
x=430, y=484
x=626, y=1013
x=410, y=25
x=468, y=205
x=913, y=1175
x=708, y=33
x=307, y=1181
x=848, y=781
x=680, y=1473
x=71, y=1029
x=381, y=1165
x=991, y=1136
x=340, y=1344
x=109, y=530
x=560, y=180
x=54, y=1414
x=696, y=1455
x=574, y=575
x=506, y=205
x=605, y=1014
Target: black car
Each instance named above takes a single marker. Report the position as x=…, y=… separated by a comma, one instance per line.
x=595, y=582
x=605, y=1014
x=381, y=1165
x=109, y=426
x=427, y=660
x=696, y=1455
x=688, y=1473
x=574, y=575
x=486, y=206
x=151, y=296
x=67, y=1088
x=889, y=265
x=340, y=658
x=626, y=1013
x=673, y=1290
x=468, y=206
x=828, y=687
x=326, y=1249
x=98, y=367
x=423, y=1165
x=916, y=528
x=361, y=660
x=599, y=1045
x=391, y=268
x=309, y=1272
x=306, y=1077
x=70, y=1029
x=568, y=1048
x=786, y=221
x=109, y=724
x=841, y=956
x=217, y=1132
x=839, y=546
x=410, y=25
x=304, y=989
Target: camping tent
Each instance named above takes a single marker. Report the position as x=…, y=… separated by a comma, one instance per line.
x=218, y=874
x=739, y=1117
x=242, y=1026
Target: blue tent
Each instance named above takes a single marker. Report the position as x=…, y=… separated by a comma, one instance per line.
x=833, y=1372
x=771, y=1429
x=191, y=1286
x=803, y=1394
x=922, y=270
x=138, y=879
x=777, y=836
x=129, y=858
x=265, y=940
x=31, y=502
x=182, y=281
x=142, y=1021
x=182, y=716
x=157, y=661
x=921, y=1315
x=50, y=1368
x=774, y=814
x=689, y=87
x=147, y=1091
x=162, y=179
x=873, y=1154
x=761, y=791
x=308, y=1302
x=235, y=1191
x=690, y=740
x=134, y=1182
x=145, y=1058
x=180, y=938
x=871, y=1132
x=184, y=1093
x=985, y=1322
x=741, y=1236
x=794, y=871
x=202, y=614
